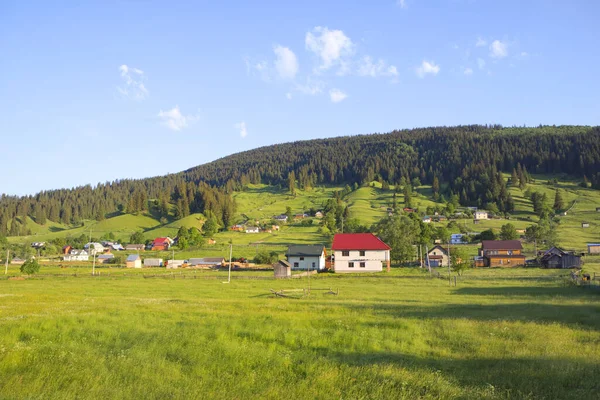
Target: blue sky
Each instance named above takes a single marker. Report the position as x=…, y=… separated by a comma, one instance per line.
x=99, y=91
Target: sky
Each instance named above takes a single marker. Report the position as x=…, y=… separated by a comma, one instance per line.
x=101, y=90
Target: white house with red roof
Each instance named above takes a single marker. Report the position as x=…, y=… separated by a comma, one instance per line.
x=359, y=252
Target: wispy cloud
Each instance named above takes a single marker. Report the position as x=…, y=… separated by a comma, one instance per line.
x=331, y=46
x=133, y=83
x=336, y=95
x=368, y=68
x=241, y=127
x=310, y=87
x=468, y=71
x=286, y=62
x=498, y=49
x=401, y=3
x=480, y=42
x=175, y=120
x=427, y=68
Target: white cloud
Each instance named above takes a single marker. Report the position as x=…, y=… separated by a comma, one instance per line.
x=401, y=3
x=286, y=63
x=337, y=95
x=368, y=68
x=481, y=63
x=498, y=49
x=288, y=96
x=331, y=46
x=427, y=67
x=481, y=42
x=175, y=120
x=468, y=71
x=241, y=126
x=311, y=87
x=133, y=87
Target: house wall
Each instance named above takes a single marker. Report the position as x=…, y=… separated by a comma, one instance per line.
x=134, y=264
x=593, y=249
x=438, y=252
x=373, y=259
x=506, y=261
x=307, y=263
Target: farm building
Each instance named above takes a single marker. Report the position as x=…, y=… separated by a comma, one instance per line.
x=307, y=257
x=282, y=269
x=77, y=255
x=135, y=247
x=437, y=257
x=172, y=264
x=153, y=262
x=593, y=248
x=252, y=229
x=502, y=253
x=105, y=258
x=585, y=224
x=162, y=244
x=557, y=258
x=133, y=261
x=206, y=261
x=359, y=252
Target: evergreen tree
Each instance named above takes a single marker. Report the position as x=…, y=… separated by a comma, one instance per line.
x=292, y=183
x=559, y=203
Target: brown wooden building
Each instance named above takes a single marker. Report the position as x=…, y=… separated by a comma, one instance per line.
x=557, y=258
x=502, y=253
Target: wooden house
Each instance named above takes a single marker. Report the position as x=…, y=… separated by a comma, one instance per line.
x=502, y=253
x=557, y=258
x=282, y=269
x=161, y=244
x=67, y=249
x=133, y=261
x=593, y=248
x=135, y=247
x=105, y=258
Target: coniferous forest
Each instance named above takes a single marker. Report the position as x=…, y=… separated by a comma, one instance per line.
x=463, y=161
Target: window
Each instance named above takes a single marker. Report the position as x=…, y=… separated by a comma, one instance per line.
x=345, y=253
x=362, y=253
x=301, y=258
x=296, y=265
x=363, y=265
x=350, y=265
x=314, y=265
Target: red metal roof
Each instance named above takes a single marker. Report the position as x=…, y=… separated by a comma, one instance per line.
x=501, y=245
x=358, y=241
x=160, y=241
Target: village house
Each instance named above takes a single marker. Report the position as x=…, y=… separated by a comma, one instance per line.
x=238, y=228
x=319, y=214
x=480, y=214
x=457, y=238
x=426, y=219
x=585, y=224
x=66, y=249
x=174, y=264
x=38, y=245
x=105, y=258
x=408, y=210
x=135, y=247
x=300, y=216
x=153, y=262
x=502, y=253
x=133, y=261
x=252, y=229
x=593, y=248
x=162, y=244
x=557, y=258
x=282, y=269
x=306, y=257
x=281, y=218
x=94, y=248
x=437, y=257
x=206, y=262
x=77, y=255
x=359, y=252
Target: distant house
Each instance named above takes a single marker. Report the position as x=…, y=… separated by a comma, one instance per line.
x=437, y=257
x=153, y=262
x=281, y=218
x=66, y=249
x=38, y=245
x=319, y=214
x=162, y=244
x=408, y=210
x=307, y=257
x=135, y=247
x=105, y=258
x=593, y=248
x=252, y=229
x=557, y=258
x=206, y=261
x=597, y=209
x=426, y=219
x=77, y=255
x=359, y=252
x=94, y=248
x=442, y=218
x=238, y=228
x=117, y=247
x=173, y=264
x=133, y=261
x=585, y=224
x=282, y=269
x=480, y=214
x=457, y=238
x=502, y=253
x=274, y=227
x=17, y=261
x=300, y=216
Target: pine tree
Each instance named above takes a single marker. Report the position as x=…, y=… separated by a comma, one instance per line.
x=559, y=203
x=292, y=183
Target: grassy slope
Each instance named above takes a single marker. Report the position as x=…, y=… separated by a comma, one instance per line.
x=502, y=334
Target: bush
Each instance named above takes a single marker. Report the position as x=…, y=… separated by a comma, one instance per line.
x=30, y=267
x=265, y=257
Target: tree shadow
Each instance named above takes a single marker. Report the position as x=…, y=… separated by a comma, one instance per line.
x=512, y=291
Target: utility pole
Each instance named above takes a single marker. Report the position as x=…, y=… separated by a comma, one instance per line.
x=448, y=262
x=94, y=262
x=230, y=254
x=6, y=266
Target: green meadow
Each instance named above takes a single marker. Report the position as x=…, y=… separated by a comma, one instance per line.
x=497, y=334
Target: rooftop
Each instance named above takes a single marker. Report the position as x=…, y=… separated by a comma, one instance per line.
x=358, y=241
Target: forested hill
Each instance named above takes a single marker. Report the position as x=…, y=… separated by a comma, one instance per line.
x=465, y=161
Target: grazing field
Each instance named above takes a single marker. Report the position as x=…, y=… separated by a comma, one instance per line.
x=499, y=334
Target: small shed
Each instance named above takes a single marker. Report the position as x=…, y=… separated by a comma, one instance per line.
x=133, y=261
x=153, y=262
x=585, y=224
x=173, y=264
x=282, y=269
x=593, y=248
x=105, y=258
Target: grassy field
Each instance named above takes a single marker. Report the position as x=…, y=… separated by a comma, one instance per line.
x=499, y=334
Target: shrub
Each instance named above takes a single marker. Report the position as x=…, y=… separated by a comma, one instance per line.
x=30, y=267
